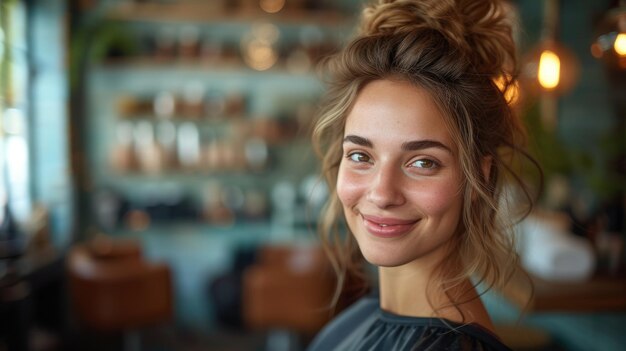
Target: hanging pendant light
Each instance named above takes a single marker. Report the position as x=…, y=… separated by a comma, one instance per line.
x=550, y=69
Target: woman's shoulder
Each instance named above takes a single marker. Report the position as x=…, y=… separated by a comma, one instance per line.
x=364, y=326
x=353, y=320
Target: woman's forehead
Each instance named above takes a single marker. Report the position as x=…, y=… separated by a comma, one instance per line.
x=398, y=109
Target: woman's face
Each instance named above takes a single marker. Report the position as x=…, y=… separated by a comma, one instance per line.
x=399, y=179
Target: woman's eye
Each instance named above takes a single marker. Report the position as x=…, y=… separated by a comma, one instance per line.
x=358, y=157
x=424, y=164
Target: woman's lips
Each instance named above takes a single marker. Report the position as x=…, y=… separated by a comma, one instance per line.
x=387, y=227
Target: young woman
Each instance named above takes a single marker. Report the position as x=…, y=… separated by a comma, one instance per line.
x=417, y=141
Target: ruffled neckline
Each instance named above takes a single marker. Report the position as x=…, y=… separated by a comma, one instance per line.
x=469, y=328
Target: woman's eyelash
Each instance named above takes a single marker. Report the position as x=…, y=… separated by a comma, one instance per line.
x=358, y=157
x=422, y=163
x=425, y=163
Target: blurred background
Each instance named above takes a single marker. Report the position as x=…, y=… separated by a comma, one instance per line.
x=159, y=191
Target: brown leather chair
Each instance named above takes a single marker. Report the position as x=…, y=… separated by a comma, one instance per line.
x=114, y=289
x=289, y=288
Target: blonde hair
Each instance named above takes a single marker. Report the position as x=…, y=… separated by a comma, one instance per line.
x=455, y=50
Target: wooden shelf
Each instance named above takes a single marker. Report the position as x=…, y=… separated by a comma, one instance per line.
x=153, y=62
x=184, y=175
x=208, y=11
x=179, y=119
x=233, y=66
x=148, y=69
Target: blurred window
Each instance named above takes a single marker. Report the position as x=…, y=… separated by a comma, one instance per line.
x=14, y=79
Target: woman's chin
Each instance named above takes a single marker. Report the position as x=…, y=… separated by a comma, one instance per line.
x=382, y=259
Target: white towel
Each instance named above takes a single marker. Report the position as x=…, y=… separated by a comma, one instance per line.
x=550, y=252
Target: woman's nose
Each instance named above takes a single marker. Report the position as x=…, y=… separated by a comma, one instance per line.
x=386, y=189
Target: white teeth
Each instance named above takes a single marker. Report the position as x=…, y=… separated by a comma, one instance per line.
x=383, y=225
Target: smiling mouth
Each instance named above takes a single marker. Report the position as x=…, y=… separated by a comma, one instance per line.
x=387, y=227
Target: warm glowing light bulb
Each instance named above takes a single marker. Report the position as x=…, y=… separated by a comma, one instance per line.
x=620, y=44
x=549, y=70
x=272, y=6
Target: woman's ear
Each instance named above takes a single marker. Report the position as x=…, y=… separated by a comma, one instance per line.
x=486, y=163
x=485, y=166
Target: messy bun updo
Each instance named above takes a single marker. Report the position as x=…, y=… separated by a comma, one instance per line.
x=455, y=50
x=479, y=31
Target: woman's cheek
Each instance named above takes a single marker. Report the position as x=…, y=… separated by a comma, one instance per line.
x=349, y=188
x=436, y=198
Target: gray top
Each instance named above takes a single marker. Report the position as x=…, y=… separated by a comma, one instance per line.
x=365, y=326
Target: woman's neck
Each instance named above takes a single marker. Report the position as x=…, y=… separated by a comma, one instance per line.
x=408, y=291
x=403, y=291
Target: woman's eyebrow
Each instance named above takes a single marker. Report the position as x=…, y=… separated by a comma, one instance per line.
x=354, y=139
x=423, y=144
x=407, y=146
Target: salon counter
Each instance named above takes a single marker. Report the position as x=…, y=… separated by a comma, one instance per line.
x=600, y=293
